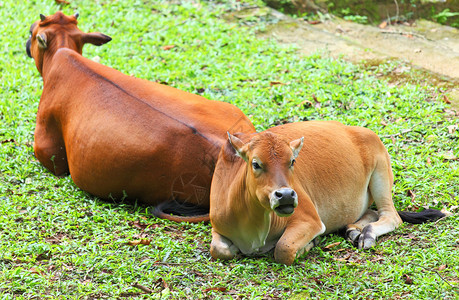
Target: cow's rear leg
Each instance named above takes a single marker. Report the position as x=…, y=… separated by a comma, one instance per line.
x=354, y=230
x=381, y=192
x=49, y=149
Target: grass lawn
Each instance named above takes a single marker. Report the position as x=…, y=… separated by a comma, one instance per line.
x=57, y=241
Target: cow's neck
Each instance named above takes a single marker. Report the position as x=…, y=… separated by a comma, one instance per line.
x=252, y=221
x=48, y=61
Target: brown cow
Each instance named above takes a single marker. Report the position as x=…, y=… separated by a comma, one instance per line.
x=278, y=197
x=118, y=135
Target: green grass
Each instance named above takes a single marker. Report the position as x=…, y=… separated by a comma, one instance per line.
x=57, y=241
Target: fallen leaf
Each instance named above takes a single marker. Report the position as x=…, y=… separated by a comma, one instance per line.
x=220, y=289
x=452, y=129
x=43, y=256
x=314, y=22
x=139, y=242
x=412, y=237
x=275, y=83
x=34, y=270
x=317, y=281
x=51, y=268
x=332, y=245
x=314, y=97
x=411, y=194
x=305, y=104
x=62, y=2
x=383, y=25
x=383, y=123
x=428, y=161
x=143, y=288
x=168, y=47
x=446, y=100
x=442, y=267
x=407, y=279
x=449, y=156
x=162, y=283
x=8, y=141
x=138, y=225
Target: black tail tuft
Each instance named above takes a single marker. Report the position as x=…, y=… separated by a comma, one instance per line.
x=424, y=216
x=181, y=212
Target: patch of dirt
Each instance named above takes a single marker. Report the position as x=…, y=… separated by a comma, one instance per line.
x=423, y=44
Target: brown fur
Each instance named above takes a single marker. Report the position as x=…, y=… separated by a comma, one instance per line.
x=338, y=173
x=118, y=135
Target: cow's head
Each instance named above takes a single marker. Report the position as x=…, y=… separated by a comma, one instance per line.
x=270, y=163
x=50, y=33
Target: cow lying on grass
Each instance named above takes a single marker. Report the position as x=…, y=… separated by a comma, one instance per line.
x=118, y=135
x=271, y=191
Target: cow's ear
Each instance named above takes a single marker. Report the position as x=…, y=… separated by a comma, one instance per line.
x=41, y=39
x=96, y=38
x=238, y=146
x=296, y=146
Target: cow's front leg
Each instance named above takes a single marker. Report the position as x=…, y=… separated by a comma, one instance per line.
x=297, y=239
x=301, y=230
x=49, y=148
x=221, y=247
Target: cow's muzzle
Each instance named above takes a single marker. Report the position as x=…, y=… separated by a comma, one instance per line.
x=283, y=201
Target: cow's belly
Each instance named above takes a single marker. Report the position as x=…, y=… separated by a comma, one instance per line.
x=343, y=211
x=144, y=169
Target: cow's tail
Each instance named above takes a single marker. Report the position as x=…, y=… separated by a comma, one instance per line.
x=427, y=215
x=181, y=212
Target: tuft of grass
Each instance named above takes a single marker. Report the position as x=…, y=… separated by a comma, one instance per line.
x=57, y=241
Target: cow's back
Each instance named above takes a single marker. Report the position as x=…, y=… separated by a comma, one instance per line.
x=125, y=135
x=334, y=167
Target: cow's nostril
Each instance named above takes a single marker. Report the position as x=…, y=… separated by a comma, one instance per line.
x=278, y=194
x=293, y=193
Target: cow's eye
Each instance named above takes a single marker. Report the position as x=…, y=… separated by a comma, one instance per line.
x=292, y=163
x=255, y=165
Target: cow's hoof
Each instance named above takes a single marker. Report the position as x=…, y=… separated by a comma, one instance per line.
x=367, y=238
x=352, y=235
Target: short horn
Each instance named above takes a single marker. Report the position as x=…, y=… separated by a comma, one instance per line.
x=76, y=15
x=42, y=17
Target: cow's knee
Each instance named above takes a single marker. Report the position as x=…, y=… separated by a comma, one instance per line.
x=285, y=253
x=223, y=249
x=52, y=157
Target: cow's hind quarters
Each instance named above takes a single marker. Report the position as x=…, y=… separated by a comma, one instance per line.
x=181, y=212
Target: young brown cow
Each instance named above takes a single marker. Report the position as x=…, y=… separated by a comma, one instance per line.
x=118, y=135
x=282, y=194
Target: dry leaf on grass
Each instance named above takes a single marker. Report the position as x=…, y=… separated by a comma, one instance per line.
x=34, y=270
x=446, y=100
x=383, y=25
x=168, y=47
x=332, y=245
x=143, y=288
x=442, y=267
x=139, y=242
x=407, y=279
x=220, y=289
